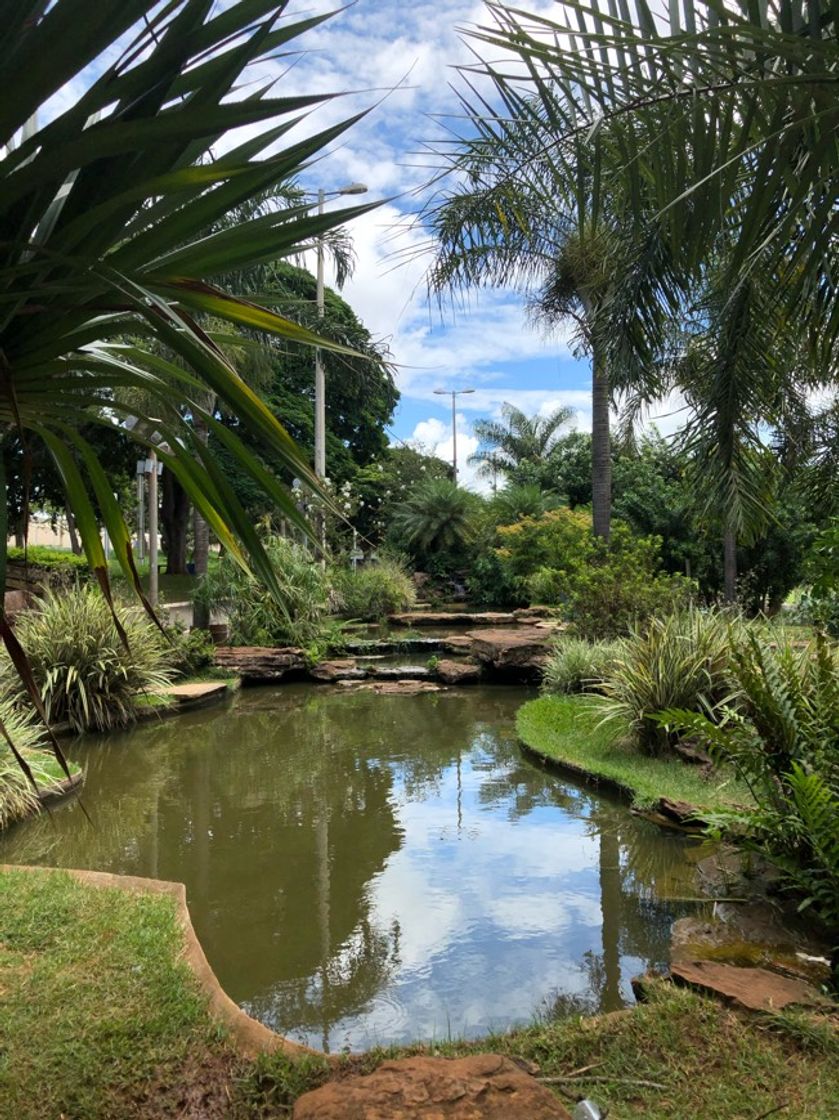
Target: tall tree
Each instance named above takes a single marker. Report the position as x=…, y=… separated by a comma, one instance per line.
x=519, y=216
x=519, y=446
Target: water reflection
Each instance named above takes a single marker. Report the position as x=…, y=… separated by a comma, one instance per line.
x=367, y=869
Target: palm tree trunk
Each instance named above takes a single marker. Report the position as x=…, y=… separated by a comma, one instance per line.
x=601, y=452
x=730, y=564
x=201, y=545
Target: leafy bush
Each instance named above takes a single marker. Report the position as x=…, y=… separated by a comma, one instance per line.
x=42, y=556
x=191, y=652
x=782, y=738
x=85, y=673
x=255, y=617
x=819, y=606
x=17, y=797
x=679, y=661
x=619, y=587
x=374, y=591
x=602, y=587
x=576, y=665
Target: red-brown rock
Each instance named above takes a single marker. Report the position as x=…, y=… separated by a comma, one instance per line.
x=755, y=989
x=260, y=663
x=452, y=618
x=523, y=650
x=481, y=1087
x=344, y=669
x=458, y=672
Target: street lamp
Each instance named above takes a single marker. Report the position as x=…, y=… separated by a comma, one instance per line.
x=454, y=394
x=320, y=379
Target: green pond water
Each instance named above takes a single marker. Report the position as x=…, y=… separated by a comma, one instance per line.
x=367, y=869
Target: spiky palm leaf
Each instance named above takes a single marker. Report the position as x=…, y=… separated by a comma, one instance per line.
x=518, y=439
x=104, y=204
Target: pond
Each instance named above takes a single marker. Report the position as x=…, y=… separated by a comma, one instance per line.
x=366, y=869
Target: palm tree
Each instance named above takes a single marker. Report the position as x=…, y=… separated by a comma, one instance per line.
x=103, y=213
x=724, y=116
x=435, y=519
x=518, y=216
x=520, y=442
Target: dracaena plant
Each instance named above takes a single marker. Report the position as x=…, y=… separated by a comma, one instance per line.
x=118, y=152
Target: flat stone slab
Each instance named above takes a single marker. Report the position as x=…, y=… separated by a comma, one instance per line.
x=195, y=690
x=754, y=989
x=457, y=643
x=400, y=672
x=343, y=669
x=260, y=663
x=458, y=672
x=392, y=688
x=453, y=618
x=481, y=1087
x=525, y=648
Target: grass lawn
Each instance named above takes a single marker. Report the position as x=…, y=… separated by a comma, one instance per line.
x=564, y=728
x=99, y=1020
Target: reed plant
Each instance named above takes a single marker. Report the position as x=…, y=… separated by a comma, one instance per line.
x=18, y=798
x=679, y=661
x=86, y=674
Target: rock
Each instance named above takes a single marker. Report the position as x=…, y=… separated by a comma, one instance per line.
x=682, y=812
x=452, y=618
x=523, y=651
x=457, y=643
x=345, y=669
x=392, y=688
x=400, y=672
x=458, y=672
x=481, y=1087
x=754, y=989
x=15, y=602
x=261, y=663
x=531, y=614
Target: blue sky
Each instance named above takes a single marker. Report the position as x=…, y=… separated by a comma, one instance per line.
x=399, y=58
x=411, y=49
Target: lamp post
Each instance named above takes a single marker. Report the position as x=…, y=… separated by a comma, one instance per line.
x=454, y=394
x=320, y=380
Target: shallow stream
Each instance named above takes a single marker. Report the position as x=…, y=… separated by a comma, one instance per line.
x=367, y=869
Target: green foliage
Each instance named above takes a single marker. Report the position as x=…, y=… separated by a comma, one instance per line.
x=603, y=588
x=819, y=606
x=85, y=673
x=678, y=661
x=576, y=665
x=41, y=556
x=17, y=797
x=191, y=651
x=435, y=522
x=375, y=590
x=297, y=617
x=782, y=737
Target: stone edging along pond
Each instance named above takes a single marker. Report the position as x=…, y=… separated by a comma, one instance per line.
x=250, y=1037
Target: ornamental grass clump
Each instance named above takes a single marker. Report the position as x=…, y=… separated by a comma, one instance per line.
x=86, y=675
x=781, y=737
x=678, y=661
x=296, y=615
x=576, y=665
x=375, y=591
x=17, y=797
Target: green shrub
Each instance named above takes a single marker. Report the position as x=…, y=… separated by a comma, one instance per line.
x=602, y=588
x=17, y=797
x=255, y=617
x=375, y=591
x=85, y=673
x=576, y=665
x=42, y=556
x=619, y=588
x=679, y=661
x=782, y=738
x=192, y=651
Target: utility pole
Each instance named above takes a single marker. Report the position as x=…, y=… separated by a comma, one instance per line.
x=154, y=593
x=454, y=394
